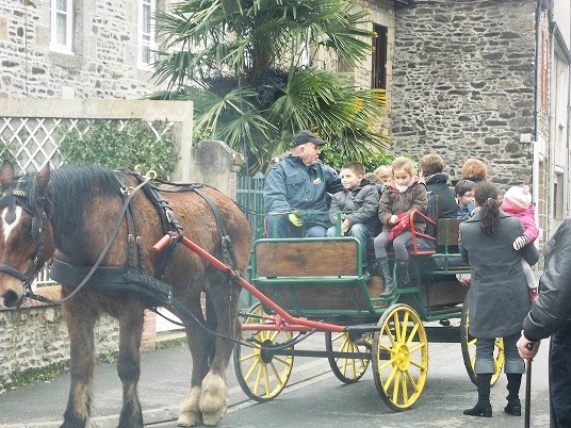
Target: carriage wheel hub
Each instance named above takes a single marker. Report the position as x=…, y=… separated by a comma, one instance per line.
x=266, y=353
x=401, y=357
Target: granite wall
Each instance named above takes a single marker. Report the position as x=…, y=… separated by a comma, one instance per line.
x=463, y=84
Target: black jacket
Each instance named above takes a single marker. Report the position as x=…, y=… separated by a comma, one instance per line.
x=437, y=184
x=551, y=311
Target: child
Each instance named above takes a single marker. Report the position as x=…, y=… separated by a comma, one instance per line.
x=385, y=174
x=517, y=202
x=402, y=195
x=464, y=190
x=358, y=204
x=374, y=180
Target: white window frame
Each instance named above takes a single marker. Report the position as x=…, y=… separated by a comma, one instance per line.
x=67, y=14
x=146, y=39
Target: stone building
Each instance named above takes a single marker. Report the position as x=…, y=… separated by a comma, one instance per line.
x=76, y=48
x=487, y=79
x=465, y=78
x=479, y=78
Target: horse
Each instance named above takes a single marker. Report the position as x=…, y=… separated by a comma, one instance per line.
x=98, y=227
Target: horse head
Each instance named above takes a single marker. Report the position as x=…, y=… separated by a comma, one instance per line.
x=26, y=232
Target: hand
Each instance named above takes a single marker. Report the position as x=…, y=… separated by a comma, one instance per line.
x=527, y=349
x=345, y=226
x=520, y=242
x=295, y=220
x=394, y=219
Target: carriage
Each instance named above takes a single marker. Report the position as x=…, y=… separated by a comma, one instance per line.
x=306, y=285
x=114, y=240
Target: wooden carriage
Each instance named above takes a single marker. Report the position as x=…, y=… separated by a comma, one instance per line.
x=318, y=284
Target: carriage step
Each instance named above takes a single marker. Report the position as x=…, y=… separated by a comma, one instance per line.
x=444, y=310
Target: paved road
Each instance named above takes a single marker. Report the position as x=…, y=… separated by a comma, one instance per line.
x=314, y=398
x=324, y=402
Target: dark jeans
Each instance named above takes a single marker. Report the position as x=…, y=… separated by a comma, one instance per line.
x=560, y=380
x=359, y=231
x=285, y=229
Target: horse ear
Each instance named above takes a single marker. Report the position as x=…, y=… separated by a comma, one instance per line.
x=43, y=178
x=6, y=174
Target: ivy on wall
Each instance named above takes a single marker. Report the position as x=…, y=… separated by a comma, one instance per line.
x=106, y=143
x=6, y=152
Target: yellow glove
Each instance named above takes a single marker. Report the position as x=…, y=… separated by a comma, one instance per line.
x=295, y=220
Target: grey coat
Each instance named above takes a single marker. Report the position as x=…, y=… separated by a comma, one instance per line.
x=498, y=299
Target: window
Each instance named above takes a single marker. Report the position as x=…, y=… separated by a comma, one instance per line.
x=380, y=57
x=147, y=40
x=61, y=16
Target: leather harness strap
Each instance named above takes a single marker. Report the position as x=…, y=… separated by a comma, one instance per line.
x=158, y=292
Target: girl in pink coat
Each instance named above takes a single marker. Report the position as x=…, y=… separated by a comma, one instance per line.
x=517, y=203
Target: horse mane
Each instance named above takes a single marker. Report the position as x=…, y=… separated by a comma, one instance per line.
x=72, y=187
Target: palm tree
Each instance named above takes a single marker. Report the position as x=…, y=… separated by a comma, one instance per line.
x=249, y=67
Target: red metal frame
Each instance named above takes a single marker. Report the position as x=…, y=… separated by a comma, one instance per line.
x=416, y=234
x=282, y=321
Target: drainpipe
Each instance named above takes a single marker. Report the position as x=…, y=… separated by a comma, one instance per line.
x=551, y=121
x=536, y=142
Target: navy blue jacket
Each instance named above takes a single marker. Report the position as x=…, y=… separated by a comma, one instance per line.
x=290, y=185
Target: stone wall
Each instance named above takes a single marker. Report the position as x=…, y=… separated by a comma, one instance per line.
x=104, y=59
x=463, y=84
x=35, y=339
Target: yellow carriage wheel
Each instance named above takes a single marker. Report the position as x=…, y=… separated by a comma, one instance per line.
x=468, y=344
x=347, y=369
x=400, y=357
x=261, y=373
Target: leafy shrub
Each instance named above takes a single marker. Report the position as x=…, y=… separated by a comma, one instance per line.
x=336, y=160
x=105, y=143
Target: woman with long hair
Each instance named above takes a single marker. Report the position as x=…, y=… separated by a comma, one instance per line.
x=498, y=298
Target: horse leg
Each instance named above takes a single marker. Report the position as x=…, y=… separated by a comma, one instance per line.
x=80, y=326
x=214, y=394
x=129, y=367
x=197, y=339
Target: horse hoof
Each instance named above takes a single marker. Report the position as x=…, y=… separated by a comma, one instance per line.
x=213, y=401
x=189, y=415
x=189, y=420
x=211, y=420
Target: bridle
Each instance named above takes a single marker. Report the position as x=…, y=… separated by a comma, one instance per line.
x=39, y=209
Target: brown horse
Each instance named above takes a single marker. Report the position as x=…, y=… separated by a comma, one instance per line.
x=78, y=215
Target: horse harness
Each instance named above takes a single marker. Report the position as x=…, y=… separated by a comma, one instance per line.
x=40, y=209
x=133, y=276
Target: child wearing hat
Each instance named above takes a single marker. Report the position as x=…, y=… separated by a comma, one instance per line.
x=517, y=202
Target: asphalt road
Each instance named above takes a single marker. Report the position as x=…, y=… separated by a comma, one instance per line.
x=325, y=402
x=313, y=397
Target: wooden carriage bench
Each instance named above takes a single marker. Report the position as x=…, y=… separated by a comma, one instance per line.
x=314, y=277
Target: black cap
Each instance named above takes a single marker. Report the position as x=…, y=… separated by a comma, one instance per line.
x=305, y=136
